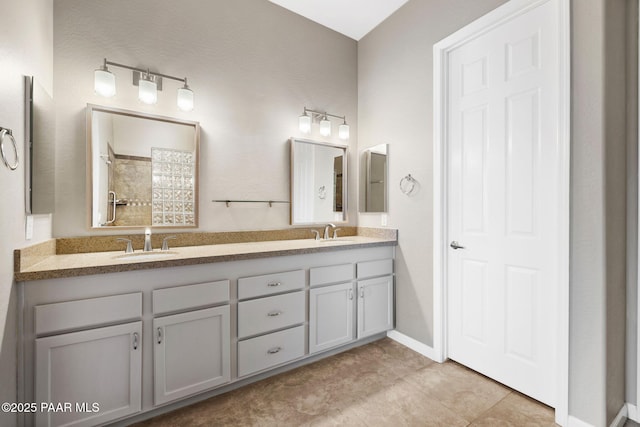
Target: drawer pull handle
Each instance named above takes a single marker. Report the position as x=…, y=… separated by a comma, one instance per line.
x=274, y=350
x=274, y=313
x=350, y=294
x=135, y=340
x=159, y=335
x=362, y=292
x=274, y=284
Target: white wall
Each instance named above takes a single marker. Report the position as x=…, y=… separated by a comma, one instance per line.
x=252, y=65
x=26, y=37
x=395, y=99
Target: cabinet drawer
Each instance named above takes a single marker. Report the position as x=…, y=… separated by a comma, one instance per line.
x=251, y=287
x=270, y=313
x=330, y=274
x=190, y=296
x=66, y=316
x=270, y=350
x=380, y=267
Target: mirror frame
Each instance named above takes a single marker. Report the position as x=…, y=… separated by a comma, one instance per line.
x=89, y=178
x=345, y=180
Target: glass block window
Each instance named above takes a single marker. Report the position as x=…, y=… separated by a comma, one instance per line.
x=172, y=186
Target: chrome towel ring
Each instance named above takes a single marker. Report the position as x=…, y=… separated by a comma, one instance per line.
x=408, y=185
x=4, y=134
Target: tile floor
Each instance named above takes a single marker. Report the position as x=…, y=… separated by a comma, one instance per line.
x=379, y=384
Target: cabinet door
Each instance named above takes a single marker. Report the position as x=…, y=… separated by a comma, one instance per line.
x=375, y=306
x=100, y=366
x=331, y=316
x=191, y=353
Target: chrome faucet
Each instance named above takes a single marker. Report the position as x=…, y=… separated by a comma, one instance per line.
x=326, y=230
x=147, y=240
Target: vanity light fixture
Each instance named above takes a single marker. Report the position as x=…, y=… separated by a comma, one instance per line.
x=148, y=84
x=304, y=123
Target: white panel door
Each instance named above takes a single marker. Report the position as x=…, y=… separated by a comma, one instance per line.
x=503, y=202
x=331, y=316
x=191, y=353
x=102, y=366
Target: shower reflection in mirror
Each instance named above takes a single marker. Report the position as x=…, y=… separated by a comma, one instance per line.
x=374, y=179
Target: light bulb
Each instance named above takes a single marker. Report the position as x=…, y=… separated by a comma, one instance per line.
x=185, y=97
x=343, y=131
x=147, y=90
x=104, y=82
x=325, y=127
x=304, y=123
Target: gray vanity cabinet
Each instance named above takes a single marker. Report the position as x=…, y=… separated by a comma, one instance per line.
x=191, y=349
x=331, y=316
x=375, y=297
x=375, y=306
x=338, y=313
x=96, y=370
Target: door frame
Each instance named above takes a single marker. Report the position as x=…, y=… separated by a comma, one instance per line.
x=441, y=51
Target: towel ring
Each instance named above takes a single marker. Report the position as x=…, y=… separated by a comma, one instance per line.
x=3, y=133
x=408, y=185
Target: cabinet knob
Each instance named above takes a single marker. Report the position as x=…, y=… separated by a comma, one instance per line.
x=274, y=350
x=362, y=292
x=274, y=284
x=159, y=335
x=135, y=340
x=350, y=294
x=274, y=313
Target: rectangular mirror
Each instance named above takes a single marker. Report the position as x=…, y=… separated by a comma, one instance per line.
x=143, y=169
x=40, y=148
x=373, y=179
x=318, y=182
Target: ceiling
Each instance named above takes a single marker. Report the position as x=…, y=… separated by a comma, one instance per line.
x=353, y=18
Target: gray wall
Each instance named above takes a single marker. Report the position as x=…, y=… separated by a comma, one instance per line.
x=26, y=36
x=252, y=65
x=395, y=107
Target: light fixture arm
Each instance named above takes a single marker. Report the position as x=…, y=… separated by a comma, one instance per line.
x=324, y=114
x=144, y=71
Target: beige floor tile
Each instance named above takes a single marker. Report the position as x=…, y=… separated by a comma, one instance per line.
x=402, y=404
x=518, y=411
x=380, y=384
x=460, y=389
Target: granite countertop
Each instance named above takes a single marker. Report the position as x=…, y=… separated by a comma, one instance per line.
x=50, y=265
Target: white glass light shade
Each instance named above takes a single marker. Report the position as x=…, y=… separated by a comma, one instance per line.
x=325, y=127
x=147, y=91
x=343, y=131
x=185, y=98
x=104, y=83
x=304, y=123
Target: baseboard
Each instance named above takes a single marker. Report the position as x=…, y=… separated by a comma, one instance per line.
x=413, y=344
x=576, y=422
x=632, y=412
x=628, y=411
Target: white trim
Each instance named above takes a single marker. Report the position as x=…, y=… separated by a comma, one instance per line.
x=620, y=418
x=413, y=344
x=576, y=422
x=441, y=50
x=632, y=412
x=638, y=260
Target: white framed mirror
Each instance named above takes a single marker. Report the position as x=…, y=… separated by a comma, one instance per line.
x=142, y=169
x=318, y=182
x=374, y=185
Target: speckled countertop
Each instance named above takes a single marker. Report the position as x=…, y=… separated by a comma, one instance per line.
x=42, y=262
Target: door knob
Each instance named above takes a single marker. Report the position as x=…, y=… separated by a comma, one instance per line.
x=456, y=245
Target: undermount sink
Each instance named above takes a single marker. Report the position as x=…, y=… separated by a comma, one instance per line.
x=145, y=256
x=333, y=241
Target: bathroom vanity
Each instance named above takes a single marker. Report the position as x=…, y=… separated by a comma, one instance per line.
x=123, y=338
